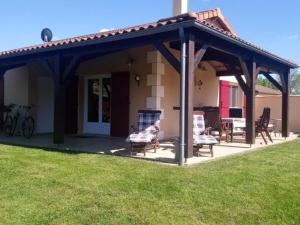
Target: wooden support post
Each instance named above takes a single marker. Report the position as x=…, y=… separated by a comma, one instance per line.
x=285, y=103
x=59, y=114
x=62, y=74
x=189, y=94
x=59, y=101
x=250, y=71
x=2, y=72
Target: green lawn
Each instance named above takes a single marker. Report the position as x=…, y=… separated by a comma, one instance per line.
x=43, y=187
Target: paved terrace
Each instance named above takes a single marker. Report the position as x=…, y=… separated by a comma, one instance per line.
x=117, y=146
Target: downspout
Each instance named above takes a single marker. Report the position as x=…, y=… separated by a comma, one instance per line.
x=183, y=56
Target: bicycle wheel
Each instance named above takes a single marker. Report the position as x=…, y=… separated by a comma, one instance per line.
x=8, y=126
x=28, y=127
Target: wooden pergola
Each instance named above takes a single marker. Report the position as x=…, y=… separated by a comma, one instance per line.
x=196, y=40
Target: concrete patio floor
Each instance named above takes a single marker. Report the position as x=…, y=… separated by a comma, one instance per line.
x=118, y=146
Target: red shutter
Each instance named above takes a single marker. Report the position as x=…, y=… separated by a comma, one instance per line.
x=224, y=98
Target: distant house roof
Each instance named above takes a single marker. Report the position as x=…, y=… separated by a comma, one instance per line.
x=211, y=21
x=215, y=17
x=262, y=90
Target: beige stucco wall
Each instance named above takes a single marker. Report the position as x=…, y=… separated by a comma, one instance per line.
x=119, y=63
x=275, y=103
x=208, y=95
x=21, y=86
x=16, y=86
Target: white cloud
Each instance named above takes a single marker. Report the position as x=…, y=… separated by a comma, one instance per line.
x=293, y=37
x=106, y=29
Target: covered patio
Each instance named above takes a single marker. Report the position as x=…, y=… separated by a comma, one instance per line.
x=166, y=154
x=184, y=42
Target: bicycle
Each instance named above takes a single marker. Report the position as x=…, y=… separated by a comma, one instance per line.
x=5, y=119
x=27, y=122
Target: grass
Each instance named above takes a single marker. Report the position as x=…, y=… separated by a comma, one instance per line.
x=43, y=187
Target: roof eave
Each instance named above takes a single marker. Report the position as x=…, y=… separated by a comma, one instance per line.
x=244, y=45
x=136, y=34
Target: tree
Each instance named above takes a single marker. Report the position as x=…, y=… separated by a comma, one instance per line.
x=295, y=82
x=261, y=80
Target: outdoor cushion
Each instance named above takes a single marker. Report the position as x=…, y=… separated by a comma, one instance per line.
x=141, y=137
x=198, y=124
x=148, y=127
x=148, y=121
x=205, y=140
x=199, y=129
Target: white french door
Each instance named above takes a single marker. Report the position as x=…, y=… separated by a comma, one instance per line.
x=97, y=104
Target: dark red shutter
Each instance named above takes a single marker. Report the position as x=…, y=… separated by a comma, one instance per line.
x=120, y=104
x=224, y=98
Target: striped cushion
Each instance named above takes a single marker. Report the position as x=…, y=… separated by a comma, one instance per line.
x=141, y=137
x=199, y=129
x=148, y=125
x=204, y=140
x=148, y=121
x=198, y=124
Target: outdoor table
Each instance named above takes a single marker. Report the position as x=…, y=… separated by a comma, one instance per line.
x=231, y=124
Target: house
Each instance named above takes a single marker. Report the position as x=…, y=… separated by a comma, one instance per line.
x=232, y=98
x=95, y=84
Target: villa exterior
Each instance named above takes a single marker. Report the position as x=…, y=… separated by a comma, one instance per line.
x=95, y=84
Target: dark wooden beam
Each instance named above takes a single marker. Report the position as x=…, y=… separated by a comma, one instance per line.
x=273, y=81
x=283, y=80
x=285, y=103
x=239, y=51
x=46, y=66
x=229, y=72
x=245, y=70
x=59, y=113
x=264, y=69
x=189, y=102
x=2, y=72
x=250, y=104
x=199, y=55
x=242, y=83
x=60, y=71
x=59, y=100
x=174, y=62
x=212, y=55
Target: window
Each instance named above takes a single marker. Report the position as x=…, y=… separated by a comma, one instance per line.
x=234, y=97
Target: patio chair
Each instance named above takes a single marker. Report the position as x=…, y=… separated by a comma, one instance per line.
x=262, y=125
x=146, y=136
x=199, y=134
x=212, y=118
x=236, y=127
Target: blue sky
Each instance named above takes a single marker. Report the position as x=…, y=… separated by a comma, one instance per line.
x=273, y=25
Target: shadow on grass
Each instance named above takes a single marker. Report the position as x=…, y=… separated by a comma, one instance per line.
x=118, y=153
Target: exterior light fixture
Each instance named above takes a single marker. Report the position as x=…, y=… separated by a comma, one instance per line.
x=137, y=79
